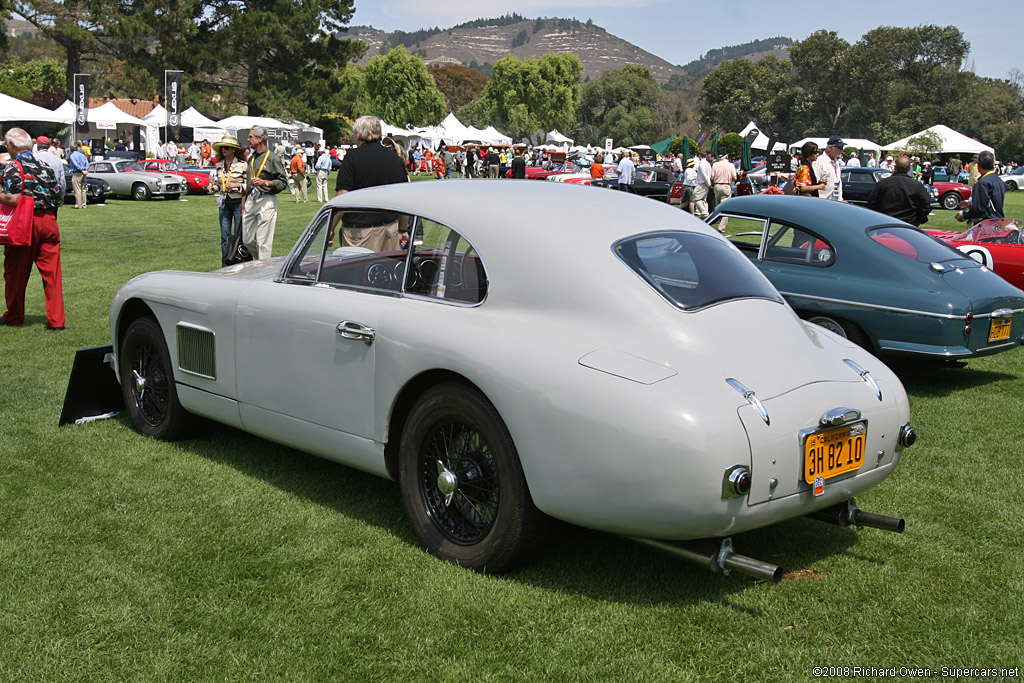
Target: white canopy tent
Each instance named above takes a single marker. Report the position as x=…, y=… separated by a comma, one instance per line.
x=451, y=131
x=953, y=142
x=857, y=143
x=202, y=127
x=557, y=138
x=13, y=109
x=277, y=130
x=761, y=141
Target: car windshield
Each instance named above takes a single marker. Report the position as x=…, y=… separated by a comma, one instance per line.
x=692, y=270
x=128, y=166
x=995, y=229
x=169, y=166
x=914, y=244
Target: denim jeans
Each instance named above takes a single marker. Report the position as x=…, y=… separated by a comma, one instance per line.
x=230, y=209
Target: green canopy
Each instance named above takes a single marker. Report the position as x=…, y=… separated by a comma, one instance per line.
x=662, y=146
x=686, y=149
x=714, y=146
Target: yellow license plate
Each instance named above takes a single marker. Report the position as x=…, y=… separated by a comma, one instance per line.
x=832, y=452
x=1000, y=328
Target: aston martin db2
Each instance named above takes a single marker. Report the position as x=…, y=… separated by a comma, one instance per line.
x=625, y=369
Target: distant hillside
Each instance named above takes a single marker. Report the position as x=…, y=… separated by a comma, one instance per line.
x=753, y=51
x=482, y=42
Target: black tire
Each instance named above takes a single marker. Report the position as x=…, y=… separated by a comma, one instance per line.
x=844, y=328
x=950, y=200
x=147, y=382
x=489, y=523
x=140, y=192
x=1011, y=186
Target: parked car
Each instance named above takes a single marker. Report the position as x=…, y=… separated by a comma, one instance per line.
x=127, y=179
x=96, y=190
x=996, y=244
x=648, y=181
x=941, y=174
x=1014, y=180
x=198, y=180
x=950, y=194
x=606, y=378
x=541, y=173
x=858, y=182
x=881, y=283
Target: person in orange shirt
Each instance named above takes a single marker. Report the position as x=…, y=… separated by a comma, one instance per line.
x=298, y=170
x=596, y=170
x=205, y=153
x=439, y=169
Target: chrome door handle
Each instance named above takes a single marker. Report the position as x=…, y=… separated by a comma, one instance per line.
x=349, y=329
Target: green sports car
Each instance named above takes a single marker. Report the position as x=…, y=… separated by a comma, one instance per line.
x=877, y=281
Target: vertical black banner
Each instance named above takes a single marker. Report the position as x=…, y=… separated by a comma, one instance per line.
x=81, y=100
x=702, y=137
x=772, y=139
x=172, y=102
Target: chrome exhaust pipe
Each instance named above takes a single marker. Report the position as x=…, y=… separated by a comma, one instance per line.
x=716, y=555
x=848, y=514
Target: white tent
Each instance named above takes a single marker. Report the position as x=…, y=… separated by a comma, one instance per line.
x=761, y=141
x=108, y=114
x=202, y=127
x=857, y=143
x=557, y=138
x=277, y=129
x=496, y=137
x=953, y=142
x=13, y=109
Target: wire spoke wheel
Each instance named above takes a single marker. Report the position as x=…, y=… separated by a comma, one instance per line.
x=468, y=514
x=147, y=382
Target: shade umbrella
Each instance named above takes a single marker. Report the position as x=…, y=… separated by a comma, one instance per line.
x=745, y=161
x=714, y=146
x=863, y=157
x=686, y=148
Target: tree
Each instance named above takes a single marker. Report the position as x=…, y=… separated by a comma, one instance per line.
x=40, y=82
x=739, y=91
x=824, y=73
x=527, y=97
x=620, y=104
x=460, y=85
x=401, y=91
x=731, y=144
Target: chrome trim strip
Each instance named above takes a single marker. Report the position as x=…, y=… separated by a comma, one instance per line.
x=893, y=309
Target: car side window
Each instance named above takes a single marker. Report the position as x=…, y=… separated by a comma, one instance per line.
x=101, y=168
x=743, y=231
x=307, y=264
x=791, y=244
x=444, y=265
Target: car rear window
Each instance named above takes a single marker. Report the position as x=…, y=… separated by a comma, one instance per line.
x=692, y=270
x=914, y=244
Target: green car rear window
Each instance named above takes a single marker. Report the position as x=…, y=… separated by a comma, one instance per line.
x=914, y=244
x=692, y=270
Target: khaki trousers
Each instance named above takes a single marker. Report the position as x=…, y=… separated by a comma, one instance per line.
x=78, y=184
x=258, y=223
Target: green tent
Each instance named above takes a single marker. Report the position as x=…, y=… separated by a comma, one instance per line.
x=662, y=146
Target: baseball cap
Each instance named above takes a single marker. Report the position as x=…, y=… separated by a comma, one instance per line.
x=836, y=141
x=43, y=140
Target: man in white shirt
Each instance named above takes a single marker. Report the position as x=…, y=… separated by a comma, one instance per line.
x=170, y=150
x=853, y=161
x=872, y=163
x=626, y=169
x=703, y=186
x=826, y=167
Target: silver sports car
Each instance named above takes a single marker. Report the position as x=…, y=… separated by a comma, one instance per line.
x=127, y=179
x=624, y=369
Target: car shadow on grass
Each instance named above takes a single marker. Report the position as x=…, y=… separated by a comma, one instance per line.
x=572, y=560
x=934, y=379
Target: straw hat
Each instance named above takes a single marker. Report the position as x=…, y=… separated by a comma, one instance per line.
x=227, y=141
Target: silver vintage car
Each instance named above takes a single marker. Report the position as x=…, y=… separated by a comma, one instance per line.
x=127, y=179
x=625, y=369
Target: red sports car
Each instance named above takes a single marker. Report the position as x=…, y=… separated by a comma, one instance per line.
x=950, y=193
x=994, y=243
x=540, y=173
x=197, y=181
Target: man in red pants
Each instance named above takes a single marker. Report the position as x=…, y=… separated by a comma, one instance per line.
x=40, y=184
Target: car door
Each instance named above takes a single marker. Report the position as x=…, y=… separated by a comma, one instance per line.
x=857, y=184
x=307, y=342
x=797, y=261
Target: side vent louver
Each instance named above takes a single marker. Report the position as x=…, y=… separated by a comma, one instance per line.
x=196, y=351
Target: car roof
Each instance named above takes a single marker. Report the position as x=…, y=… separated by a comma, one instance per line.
x=823, y=215
x=525, y=212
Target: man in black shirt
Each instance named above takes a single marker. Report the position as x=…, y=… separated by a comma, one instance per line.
x=368, y=165
x=519, y=166
x=493, y=163
x=900, y=196
x=987, y=196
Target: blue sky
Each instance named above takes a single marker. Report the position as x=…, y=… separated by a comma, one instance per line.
x=680, y=31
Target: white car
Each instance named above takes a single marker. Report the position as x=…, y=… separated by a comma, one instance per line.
x=1014, y=180
x=618, y=365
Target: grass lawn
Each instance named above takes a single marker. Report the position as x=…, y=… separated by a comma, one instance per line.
x=226, y=557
